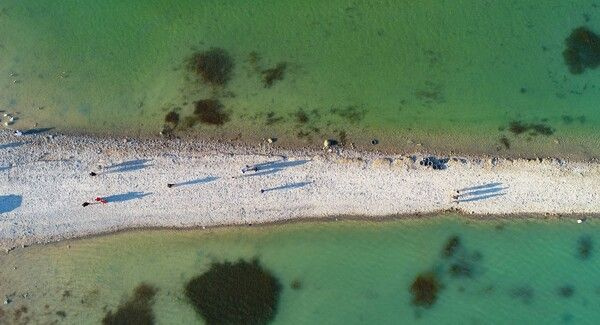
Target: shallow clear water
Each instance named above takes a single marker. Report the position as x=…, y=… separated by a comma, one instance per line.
x=446, y=75
x=354, y=272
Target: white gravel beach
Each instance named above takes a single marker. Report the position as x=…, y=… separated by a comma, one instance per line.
x=45, y=179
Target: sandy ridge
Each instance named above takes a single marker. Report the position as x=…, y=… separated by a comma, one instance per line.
x=48, y=173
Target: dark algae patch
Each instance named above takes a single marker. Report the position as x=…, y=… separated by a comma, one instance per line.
x=451, y=247
x=519, y=127
x=583, y=50
x=210, y=111
x=425, y=289
x=235, y=293
x=566, y=291
x=505, y=142
x=172, y=118
x=214, y=66
x=269, y=76
x=524, y=293
x=136, y=310
x=301, y=116
x=584, y=247
x=351, y=113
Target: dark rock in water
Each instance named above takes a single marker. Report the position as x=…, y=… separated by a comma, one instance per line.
x=273, y=74
x=435, y=163
x=584, y=247
x=214, y=66
x=425, y=290
x=210, y=111
x=452, y=245
x=583, y=50
x=566, y=291
x=137, y=310
x=235, y=293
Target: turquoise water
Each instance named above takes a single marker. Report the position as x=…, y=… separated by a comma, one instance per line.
x=355, y=272
x=416, y=75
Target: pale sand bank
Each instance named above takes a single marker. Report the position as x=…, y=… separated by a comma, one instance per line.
x=44, y=180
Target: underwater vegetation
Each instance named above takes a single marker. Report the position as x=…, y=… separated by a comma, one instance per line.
x=210, y=111
x=584, y=247
x=269, y=76
x=235, y=293
x=214, y=66
x=136, y=310
x=518, y=127
x=583, y=50
x=425, y=289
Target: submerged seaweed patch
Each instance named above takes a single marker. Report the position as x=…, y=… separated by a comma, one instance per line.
x=583, y=50
x=301, y=116
x=210, y=111
x=505, y=142
x=584, y=247
x=271, y=118
x=214, y=66
x=235, y=293
x=525, y=294
x=271, y=75
x=136, y=310
x=351, y=113
x=425, y=289
x=566, y=291
x=452, y=245
x=519, y=127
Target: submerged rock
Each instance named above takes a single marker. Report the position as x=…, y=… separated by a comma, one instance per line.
x=235, y=293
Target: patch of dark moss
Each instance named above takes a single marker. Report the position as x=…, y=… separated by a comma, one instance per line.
x=61, y=313
x=525, y=294
x=136, y=310
x=214, y=66
x=210, y=111
x=235, y=293
x=351, y=113
x=518, y=127
x=505, y=142
x=584, y=247
x=301, y=116
x=583, y=50
x=271, y=75
x=451, y=246
x=566, y=291
x=425, y=289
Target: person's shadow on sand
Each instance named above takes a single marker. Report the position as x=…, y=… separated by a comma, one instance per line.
x=197, y=181
x=10, y=202
x=125, y=197
x=128, y=166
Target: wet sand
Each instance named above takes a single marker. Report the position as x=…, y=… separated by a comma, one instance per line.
x=45, y=179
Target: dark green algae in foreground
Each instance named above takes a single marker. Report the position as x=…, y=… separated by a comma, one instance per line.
x=235, y=293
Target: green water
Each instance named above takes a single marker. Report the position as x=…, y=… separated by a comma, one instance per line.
x=448, y=75
x=353, y=272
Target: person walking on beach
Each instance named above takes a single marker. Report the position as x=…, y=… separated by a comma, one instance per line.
x=98, y=200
